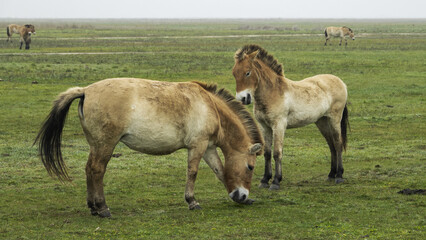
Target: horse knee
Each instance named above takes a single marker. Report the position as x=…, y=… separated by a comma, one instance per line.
x=278, y=156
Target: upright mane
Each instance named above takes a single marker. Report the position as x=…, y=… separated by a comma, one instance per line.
x=350, y=30
x=238, y=108
x=263, y=55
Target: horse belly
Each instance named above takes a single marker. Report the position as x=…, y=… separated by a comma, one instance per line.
x=152, y=139
x=302, y=117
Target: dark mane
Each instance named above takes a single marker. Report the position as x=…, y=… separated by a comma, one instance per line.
x=238, y=108
x=262, y=55
x=350, y=30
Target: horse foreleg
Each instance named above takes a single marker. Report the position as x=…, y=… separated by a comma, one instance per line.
x=95, y=171
x=21, y=40
x=278, y=135
x=194, y=157
x=213, y=160
x=267, y=134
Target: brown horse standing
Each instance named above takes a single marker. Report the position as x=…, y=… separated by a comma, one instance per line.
x=280, y=103
x=156, y=118
x=24, y=32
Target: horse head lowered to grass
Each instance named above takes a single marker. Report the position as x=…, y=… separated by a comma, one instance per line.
x=280, y=103
x=158, y=118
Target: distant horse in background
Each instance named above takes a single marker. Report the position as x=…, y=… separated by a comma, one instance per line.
x=338, y=32
x=24, y=32
x=280, y=104
x=156, y=118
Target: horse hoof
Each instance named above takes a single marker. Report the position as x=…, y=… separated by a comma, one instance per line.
x=274, y=187
x=94, y=212
x=194, y=206
x=263, y=185
x=248, y=201
x=104, y=213
x=339, y=180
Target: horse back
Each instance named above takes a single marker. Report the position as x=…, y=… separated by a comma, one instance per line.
x=149, y=116
x=321, y=86
x=334, y=31
x=309, y=99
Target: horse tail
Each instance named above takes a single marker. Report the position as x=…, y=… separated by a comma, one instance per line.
x=8, y=31
x=49, y=137
x=325, y=32
x=344, y=125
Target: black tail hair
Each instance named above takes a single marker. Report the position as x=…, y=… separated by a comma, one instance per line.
x=325, y=32
x=49, y=137
x=344, y=125
x=8, y=31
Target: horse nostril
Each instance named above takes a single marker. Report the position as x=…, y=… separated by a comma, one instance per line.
x=243, y=100
x=243, y=197
x=235, y=196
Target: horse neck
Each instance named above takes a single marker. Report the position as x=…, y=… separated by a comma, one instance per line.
x=346, y=31
x=232, y=132
x=270, y=85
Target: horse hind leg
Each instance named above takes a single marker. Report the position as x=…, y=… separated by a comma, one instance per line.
x=326, y=40
x=332, y=136
x=95, y=171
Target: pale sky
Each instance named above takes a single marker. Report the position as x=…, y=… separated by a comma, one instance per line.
x=212, y=9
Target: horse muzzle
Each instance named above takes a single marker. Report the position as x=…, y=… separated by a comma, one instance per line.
x=244, y=97
x=239, y=195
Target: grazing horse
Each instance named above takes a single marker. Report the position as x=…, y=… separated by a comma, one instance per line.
x=24, y=32
x=340, y=32
x=156, y=118
x=280, y=103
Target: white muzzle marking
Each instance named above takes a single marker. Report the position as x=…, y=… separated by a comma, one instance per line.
x=244, y=96
x=239, y=194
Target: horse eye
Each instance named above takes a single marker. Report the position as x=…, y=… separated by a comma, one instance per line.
x=250, y=167
x=248, y=73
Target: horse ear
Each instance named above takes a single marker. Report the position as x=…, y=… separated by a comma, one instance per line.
x=252, y=55
x=256, y=148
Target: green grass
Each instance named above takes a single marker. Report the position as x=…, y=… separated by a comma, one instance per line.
x=385, y=73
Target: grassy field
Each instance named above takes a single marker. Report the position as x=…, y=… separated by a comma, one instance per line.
x=384, y=69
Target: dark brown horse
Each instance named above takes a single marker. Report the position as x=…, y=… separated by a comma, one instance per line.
x=156, y=118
